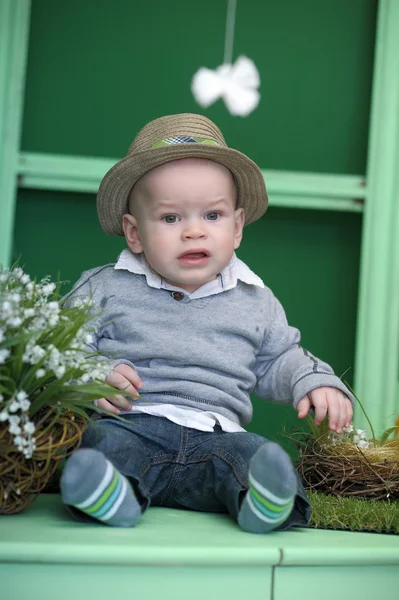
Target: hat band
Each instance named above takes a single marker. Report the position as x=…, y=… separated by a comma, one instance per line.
x=180, y=139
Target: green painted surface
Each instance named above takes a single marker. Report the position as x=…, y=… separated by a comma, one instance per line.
x=163, y=537
x=378, y=320
x=330, y=583
x=179, y=554
x=286, y=189
x=98, y=72
x=46, y=532
x=310, y=259
x=14, y=27
x=39, y=582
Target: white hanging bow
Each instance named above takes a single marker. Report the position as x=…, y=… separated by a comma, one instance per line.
x=236, y=84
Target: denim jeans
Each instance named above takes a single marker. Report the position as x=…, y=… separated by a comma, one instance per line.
x=179, y=467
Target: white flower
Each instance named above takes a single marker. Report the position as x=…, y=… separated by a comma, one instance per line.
x=14, y=429
x=22, y=395
x=47, y=289
x=29, y=312
x=80, y=302
x=40, y=373
x=24, y=405
x=6, y=308
x=100, y=370
x=25, y=279
x=334, y=438
x=29, y=427
x=3, y=355
x=15, y=297
x=14, y=406
x=15, y=322
x=33, y=355
x=29, y=450
x=4, y=415
x=18, y=440
x=363, y=444
x=59, y=371
x=88, y=338
x=1, y=335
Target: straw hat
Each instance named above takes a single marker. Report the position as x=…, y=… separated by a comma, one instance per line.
x=171, y=138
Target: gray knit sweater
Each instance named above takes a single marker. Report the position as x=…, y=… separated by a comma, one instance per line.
x=208, y=353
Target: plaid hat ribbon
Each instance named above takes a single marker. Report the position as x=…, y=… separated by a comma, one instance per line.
x=181, y=139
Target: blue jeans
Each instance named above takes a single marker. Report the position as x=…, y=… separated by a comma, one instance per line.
x=179, y=467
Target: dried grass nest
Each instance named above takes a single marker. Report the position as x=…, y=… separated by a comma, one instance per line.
x=350, y=487
x=22, y=479
x=344, y=469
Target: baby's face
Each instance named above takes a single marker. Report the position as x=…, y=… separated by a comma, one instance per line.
x=185, y=221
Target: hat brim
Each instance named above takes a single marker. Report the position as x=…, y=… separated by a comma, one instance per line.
x=115, y=188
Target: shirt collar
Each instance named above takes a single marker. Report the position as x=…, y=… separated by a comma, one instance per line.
x=226, y=280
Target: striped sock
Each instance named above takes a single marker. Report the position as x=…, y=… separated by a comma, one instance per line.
x=90, y=483
x=272, y=488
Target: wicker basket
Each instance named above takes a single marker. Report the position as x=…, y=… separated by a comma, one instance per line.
x=22, y=479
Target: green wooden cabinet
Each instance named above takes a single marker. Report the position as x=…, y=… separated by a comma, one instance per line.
x=177, y=554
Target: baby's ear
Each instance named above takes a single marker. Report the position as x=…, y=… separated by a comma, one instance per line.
x=239, y=226
x=131, y=232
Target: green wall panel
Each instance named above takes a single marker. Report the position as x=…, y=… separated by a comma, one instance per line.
x=99, y=70
x=310, y=259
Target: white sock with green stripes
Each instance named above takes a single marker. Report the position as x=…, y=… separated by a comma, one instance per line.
x=272, y=488
x=90, y=483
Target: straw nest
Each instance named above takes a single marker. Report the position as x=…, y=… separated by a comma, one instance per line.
x=344, y=469
x=22, y=479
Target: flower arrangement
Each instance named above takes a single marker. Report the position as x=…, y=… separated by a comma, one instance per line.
x=48, y=378
x=352, y=479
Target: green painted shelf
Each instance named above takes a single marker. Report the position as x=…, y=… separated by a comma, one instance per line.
x=44, y=554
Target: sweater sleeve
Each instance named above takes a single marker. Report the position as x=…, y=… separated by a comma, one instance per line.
x=81, y=292
x=285, y=371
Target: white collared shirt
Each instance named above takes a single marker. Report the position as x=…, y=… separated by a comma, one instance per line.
x=226, y=280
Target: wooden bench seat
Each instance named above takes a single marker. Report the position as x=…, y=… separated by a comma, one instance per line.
x=178, y=555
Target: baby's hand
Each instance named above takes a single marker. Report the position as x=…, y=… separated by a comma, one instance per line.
x=123, y=378
x=327, y=400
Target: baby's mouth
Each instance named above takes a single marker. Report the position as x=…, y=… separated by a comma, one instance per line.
x=194, y=257
x=194, y=254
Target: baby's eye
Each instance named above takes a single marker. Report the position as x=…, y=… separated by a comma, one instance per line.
x=170, y=219
x=213, y=216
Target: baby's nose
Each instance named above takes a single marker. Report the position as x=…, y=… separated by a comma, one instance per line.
x=194, y=231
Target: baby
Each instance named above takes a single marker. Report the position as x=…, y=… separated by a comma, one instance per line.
x=190, y=331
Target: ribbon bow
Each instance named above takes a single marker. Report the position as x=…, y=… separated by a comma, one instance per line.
x=236, y=84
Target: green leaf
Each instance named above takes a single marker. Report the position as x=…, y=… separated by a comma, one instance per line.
x=387, y=433
x=363, y=410
x=15, y=340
